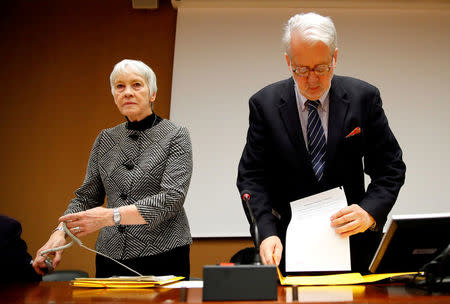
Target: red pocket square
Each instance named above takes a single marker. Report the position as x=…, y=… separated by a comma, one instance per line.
x=355, y=131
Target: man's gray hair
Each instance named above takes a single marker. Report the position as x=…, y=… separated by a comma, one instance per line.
x=138, y=67
x=313, y=28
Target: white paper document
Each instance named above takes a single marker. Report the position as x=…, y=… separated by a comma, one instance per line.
x=311, y=242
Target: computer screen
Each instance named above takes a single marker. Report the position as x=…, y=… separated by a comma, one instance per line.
x=411, y=241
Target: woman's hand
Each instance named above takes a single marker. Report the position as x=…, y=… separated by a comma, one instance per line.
x=56, y=239
x=91, y=220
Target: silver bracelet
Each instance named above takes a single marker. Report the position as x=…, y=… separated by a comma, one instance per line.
x=59, y=228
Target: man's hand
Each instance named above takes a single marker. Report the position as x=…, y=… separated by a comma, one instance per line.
x=270, y=250
x=351, y=220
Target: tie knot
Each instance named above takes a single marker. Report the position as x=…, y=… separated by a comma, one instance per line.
x=314, y=103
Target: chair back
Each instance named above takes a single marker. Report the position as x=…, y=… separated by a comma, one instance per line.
x=244, y=256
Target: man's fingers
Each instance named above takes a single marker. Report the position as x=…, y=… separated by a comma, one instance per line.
x=345, y=228
x=341, y=212
x=267, y=260
x=271, y=247
x=350, y=233
x=351, y=220
x=263, y=258
x=346, y=210
x=351, y=228
x=344, y=219
x=277, y=255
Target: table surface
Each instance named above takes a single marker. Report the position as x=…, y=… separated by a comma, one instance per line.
x=63, y=292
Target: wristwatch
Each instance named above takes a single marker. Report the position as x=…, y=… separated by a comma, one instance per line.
x=116, y=216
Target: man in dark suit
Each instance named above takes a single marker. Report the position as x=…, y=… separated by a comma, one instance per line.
x=13, y=254
x=314, y=132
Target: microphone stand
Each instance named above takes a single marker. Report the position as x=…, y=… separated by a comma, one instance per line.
x=257, y=258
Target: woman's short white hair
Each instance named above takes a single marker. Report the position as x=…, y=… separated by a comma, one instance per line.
x=312, y=27
x=138, y=67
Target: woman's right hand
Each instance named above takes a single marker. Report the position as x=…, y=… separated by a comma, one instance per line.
x=56, y=239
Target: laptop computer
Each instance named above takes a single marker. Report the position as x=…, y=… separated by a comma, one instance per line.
x=411, y=241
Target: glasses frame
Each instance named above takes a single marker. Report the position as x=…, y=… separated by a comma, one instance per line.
x=295, y=69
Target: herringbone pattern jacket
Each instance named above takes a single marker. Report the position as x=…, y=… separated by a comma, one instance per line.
x=151, y=169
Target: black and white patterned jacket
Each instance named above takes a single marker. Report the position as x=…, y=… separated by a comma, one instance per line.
x=152, y=169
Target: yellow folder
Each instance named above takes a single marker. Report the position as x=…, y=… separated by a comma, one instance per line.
x=337, y=279
x=125, y=282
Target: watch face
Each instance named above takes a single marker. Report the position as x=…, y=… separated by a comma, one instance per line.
x=116, y=216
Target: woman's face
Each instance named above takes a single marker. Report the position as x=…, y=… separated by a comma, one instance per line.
x=132, y=95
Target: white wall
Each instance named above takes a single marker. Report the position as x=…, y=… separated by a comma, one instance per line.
x=223, y=56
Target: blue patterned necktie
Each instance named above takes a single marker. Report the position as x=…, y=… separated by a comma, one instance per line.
x=317, y=144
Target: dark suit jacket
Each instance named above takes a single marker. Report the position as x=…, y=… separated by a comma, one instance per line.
x=13, y=253
x=276, y=167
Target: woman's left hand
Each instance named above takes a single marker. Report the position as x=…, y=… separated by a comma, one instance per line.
x=86, y=222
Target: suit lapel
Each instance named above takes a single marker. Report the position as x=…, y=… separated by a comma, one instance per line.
x=291, y=120
x=336, y=120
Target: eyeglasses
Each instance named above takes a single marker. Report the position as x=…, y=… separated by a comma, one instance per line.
x=304, y=71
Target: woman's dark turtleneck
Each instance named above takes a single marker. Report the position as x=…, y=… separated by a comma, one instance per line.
x=146, y=123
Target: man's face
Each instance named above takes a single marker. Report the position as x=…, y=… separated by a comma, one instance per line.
x=311, y=55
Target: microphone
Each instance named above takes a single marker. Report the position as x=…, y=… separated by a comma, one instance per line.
x=437, y=272
x=245, y=196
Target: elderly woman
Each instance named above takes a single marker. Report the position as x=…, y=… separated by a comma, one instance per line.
x=143, y=166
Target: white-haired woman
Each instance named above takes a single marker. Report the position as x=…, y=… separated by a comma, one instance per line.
x=143, y=167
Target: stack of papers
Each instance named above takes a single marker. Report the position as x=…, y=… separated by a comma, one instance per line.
x=125, y=282
x=310, y=237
